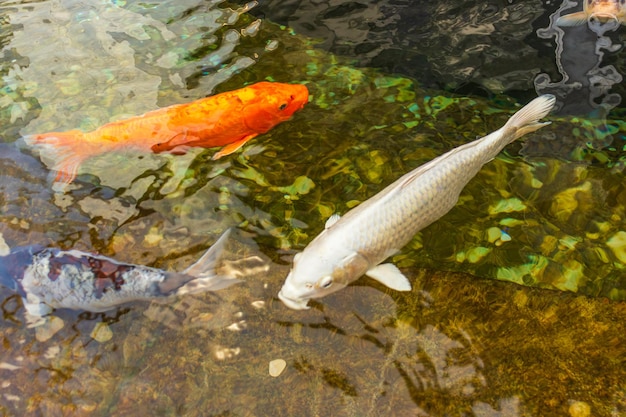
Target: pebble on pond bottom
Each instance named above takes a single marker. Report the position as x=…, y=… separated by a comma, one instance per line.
x=51, y=326
x=101, y=333
x=277, y=366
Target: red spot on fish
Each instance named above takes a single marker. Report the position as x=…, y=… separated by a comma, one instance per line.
x=106, y=275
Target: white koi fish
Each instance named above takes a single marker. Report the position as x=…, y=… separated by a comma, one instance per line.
x=378, y=228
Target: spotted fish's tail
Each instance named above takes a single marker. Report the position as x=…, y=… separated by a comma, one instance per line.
x=202, y=275
x=526, y=119
x=63, y=152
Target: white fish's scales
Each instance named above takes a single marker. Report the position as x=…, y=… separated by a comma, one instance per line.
x=357, y=243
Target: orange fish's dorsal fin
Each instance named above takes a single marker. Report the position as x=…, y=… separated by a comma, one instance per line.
x=62, y=152
x=233, y=147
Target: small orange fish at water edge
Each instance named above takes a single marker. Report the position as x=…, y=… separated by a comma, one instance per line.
x=228, y=119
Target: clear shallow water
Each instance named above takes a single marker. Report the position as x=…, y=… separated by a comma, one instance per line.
x=457, y=344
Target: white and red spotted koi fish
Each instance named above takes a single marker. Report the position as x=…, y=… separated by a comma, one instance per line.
x=49, y=278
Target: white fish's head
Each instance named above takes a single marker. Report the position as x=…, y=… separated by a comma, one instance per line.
x=315, y=276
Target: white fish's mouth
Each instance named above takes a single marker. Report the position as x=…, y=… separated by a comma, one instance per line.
x=300, y=304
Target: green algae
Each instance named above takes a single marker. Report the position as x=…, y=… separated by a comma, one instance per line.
x=301, y=185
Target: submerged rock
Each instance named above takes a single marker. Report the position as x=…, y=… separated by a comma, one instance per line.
x=277, y=366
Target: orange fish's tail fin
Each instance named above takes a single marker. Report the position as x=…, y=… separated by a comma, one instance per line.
x=62, y=152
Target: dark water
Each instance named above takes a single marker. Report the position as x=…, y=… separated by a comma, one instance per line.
x=516, y=307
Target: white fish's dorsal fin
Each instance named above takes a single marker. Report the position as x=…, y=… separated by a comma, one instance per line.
x=574, y=19
x=417, y=173
x=332, y=220
x=390, y=275
x=407, y=179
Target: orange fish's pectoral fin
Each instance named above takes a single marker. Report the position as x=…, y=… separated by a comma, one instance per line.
x=62, y=152
x=176, y=144
x=232, y=147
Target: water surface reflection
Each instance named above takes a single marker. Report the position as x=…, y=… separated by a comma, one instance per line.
x=456, y=345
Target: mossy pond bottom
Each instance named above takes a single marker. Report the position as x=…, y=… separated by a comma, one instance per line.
x=456, y=345
x=517, y=306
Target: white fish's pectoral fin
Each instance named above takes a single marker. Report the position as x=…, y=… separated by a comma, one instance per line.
x=332, y=220
x=390, y=275
x=574, y=19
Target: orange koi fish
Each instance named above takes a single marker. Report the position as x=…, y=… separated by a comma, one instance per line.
x=228, y=119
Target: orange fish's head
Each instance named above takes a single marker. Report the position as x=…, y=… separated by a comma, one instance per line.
x=273, y=103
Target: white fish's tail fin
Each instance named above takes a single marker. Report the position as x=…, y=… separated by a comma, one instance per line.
x=526, y=119
x=202, y=275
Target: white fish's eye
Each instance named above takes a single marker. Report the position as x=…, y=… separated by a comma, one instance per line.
x=326, y=282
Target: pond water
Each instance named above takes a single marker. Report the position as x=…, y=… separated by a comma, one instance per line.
x=517, y=302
